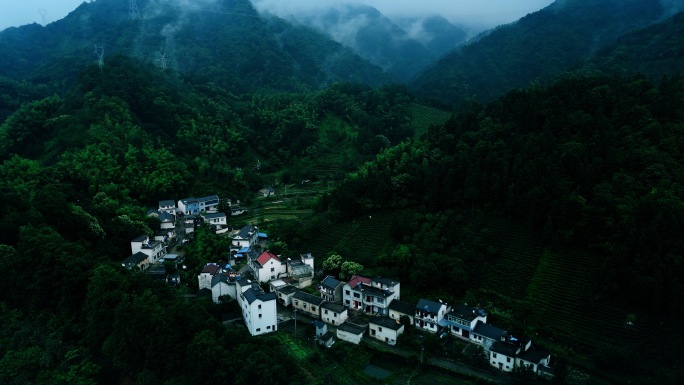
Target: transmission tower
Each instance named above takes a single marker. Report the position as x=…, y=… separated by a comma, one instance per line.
x=99, y=52
x=133, y=11
x=162, y=59
x=43, y=12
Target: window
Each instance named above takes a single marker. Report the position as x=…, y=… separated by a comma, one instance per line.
x=313, y=308
x=346, y=292
x=296, y=302
x=268, y=328
x=258, y=329
x=508, y=359
x=259, y=306
x=259, y=315
x=272, y=269
x=494, y=355
x=325, y=311
x=304, y=306
x=357, y=295
x=347, y=302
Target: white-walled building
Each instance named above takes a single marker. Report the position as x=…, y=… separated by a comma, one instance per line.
x=206, y=275
x=307, y=304
x=350, y=333
x=246, y=237
x=333, y=313
x=385, y=329
x=388, y=284
x=259, y=310
x=168, y=206
x=429, y=315
x=268, y=267
x=486, y=335
x=222, y=284
x=167, y=221
x=215, y=219
x=301, y=271
x=331, y=289
x=362, y=295
x=461, y=320
x=154, y=250
x=399, y=308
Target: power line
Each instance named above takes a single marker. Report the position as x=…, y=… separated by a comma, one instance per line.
x=99, y=52
x=133, y=10
x=43, y=12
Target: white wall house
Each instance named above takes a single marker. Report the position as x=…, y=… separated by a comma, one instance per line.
x=215, y=219
x=154, y=250
x=168, y=206
x=259, y=311
x=385, y=329
x=168, y=221
x=267, y=267
x=307, y=304
x=137, y=260
x=350, y=333
x=221, y=285
x=388, y=284
x=360, y=294
x=398, y=308
x=246, y=237
x=333, y=313
x=502, y=356
x=461, y=320
x=331, y=289
x=486, y=335
x=301, y=271
x=429, y=315
x=206, y=275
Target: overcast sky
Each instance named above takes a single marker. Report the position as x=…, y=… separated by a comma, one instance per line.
x=487, y=12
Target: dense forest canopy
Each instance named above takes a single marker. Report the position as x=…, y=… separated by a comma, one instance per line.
x=589, y=163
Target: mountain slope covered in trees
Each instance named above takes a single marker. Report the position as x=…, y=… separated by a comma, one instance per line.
x=224, y=42
x=539, y=46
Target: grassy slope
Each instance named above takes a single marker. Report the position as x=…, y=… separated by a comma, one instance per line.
x=423, y=116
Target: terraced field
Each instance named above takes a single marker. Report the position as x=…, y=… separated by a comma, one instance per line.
x=423, y=117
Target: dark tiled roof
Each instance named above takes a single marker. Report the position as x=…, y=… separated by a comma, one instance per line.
x=428, y=306
x=134, y=259
x=372, y=290
x=335, y=307
x=166, y=217
x=287, y=289
x=534, y=355
x=208, y=198
x=402, y=307
x=488, y=331
x=306, y=297
x=466, y=312
x=326, y=337
x=214, y=215
x=219, y=278
x=330, y=282
x=508, y=350
x=162, y=232
x=386, y=323
x=141, y=238
x=245, y=232
x=252, y=295
x=349, y=328
x=167, y=203
x=385, y=281
x=211, y=269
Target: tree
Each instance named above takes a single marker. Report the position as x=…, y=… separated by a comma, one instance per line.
x=350, y=268
x=333, y=265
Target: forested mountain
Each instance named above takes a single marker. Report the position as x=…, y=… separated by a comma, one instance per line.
x=224, y=42
x=401, y=51
x=538, y=46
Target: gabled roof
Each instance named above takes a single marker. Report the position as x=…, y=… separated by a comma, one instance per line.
x=218, y=278
x=308, y=298
x=208, y=198
x=265, y=257
x=166, y=217
x=211, y=269
x=534, y=355
x=349, y=328
x=134, y=260
x=402, y=307
x=385, y=281
x=246, y=232
x=252, y=295
x=167, y=203
x=356, y=279
x=330, y=282
x=213, y=215
x=504, y=348
x=488, y=331
x=386, y=323
x=141, y=238
x=162, y=232
x=429, y=306
x=335, y=307
x=287, y=289
x=466, y=312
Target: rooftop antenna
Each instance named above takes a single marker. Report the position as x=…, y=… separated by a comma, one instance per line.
x=162, y=60
x=133, y=11
x=43, y=12
x=99, y=52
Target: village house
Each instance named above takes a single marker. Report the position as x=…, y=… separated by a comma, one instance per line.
x=153, y=249
x=388, y=284
x=137, y=260
x=215, y=219
x=267, y=192
x=325, y=338
x=509, y=353
x=429, y=315
x=167, y=221
x=223, y=284
x=331, y=289
x=284, y=291
x=385, y=329
x=207, y=274
x=258, y=308
x=461, y=320
x=192, y=206
x=333, y=313
x=399, y=308
x=307, y=304
x=267, y=267
x=164, y=235
x=361, y=294
x=301, y=271
x=246, y=238
x=167, y=206
x=486, y=335
x=350, y=333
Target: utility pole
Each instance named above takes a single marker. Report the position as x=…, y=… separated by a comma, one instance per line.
x=43, y=12
x=99, y=52
x=133, y=11
x=162, y=60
